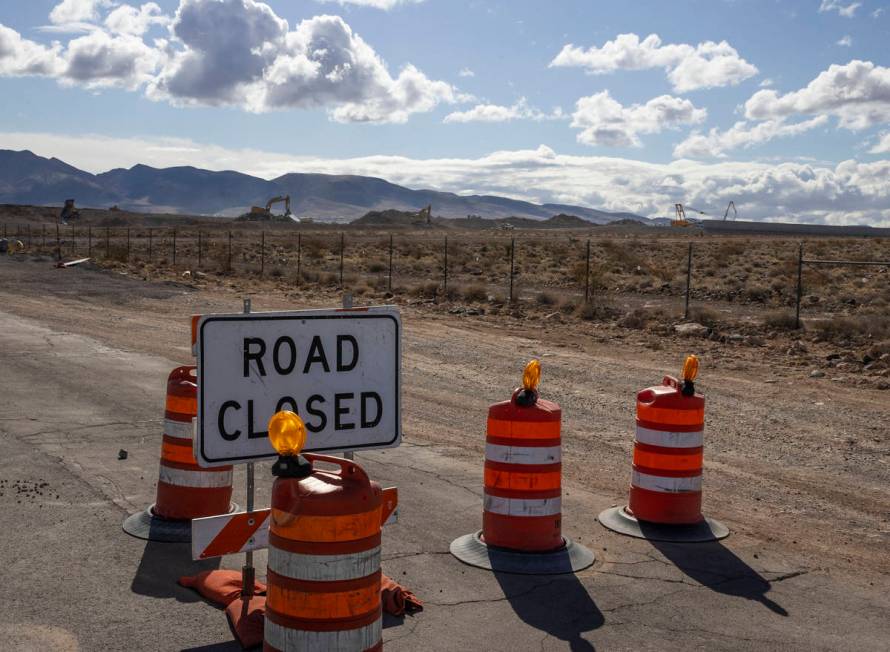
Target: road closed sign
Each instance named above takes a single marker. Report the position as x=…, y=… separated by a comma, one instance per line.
x=338, y=369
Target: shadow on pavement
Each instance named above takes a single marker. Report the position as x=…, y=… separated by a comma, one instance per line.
x=162, y=564
x=556, y=604
x=715, y=566
x=230, y=646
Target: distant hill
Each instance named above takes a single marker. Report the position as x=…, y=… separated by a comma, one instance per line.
x=26, y=178
x=394, y=218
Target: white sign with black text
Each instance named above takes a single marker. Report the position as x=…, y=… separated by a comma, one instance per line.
x=338, y=369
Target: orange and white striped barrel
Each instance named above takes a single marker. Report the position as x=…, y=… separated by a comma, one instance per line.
x=185, y=490
x=324, y=575
x=667, y=461
x=522, y=505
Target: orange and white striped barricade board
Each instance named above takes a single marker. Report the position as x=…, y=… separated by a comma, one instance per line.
x=229, y=534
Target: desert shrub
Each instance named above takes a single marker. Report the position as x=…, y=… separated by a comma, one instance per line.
x=757, y=293
x=276, y=272
x=704, y=315
x=375, y=267
x=546, y=299
x=475, y=292
x=780, y=319
x=836, y=328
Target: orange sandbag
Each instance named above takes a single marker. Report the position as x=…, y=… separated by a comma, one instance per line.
x=219, y=586
x=247, y=617
x=397, y=600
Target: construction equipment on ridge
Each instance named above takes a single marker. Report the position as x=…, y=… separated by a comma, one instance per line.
x=522, y=505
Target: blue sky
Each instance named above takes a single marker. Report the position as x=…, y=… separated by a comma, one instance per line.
x=782, y=106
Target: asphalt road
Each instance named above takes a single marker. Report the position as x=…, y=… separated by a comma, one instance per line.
x=74, y=581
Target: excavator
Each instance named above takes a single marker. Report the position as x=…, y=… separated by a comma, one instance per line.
x=682, y=221
x=267, y=211
x=424, y=216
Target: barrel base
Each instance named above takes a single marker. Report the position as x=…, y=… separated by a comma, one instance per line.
x=147, y=525
x=571, y=558
x=619, y=520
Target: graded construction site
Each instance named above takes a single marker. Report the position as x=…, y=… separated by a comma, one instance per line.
x=797, y=446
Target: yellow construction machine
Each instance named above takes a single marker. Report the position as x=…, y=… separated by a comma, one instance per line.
x=681, y=219
x=259, y=210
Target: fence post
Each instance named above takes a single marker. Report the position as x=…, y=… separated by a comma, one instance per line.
x=58, y=244
x=300, y=258
x=230, y=252
x=199, y=250
x=174, y=248
x=799, y=285
x=445, y=281
x=389, y=282
x=149, y=245
x=128, y=244
x=42, y=234
x=4, y=229
x=89, y=241
x=587, y=275
x=107, y=241
x=262, y=252
x=342, y=245
x=512, y=258
x=73, y=241
x=688, y=281
x=29, y=235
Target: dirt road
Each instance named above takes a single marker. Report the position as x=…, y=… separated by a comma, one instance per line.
x=797, y=467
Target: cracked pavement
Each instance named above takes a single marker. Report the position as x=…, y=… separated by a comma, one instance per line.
x=75, y=581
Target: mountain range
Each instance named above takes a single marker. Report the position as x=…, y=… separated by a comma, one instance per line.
x=26, y=178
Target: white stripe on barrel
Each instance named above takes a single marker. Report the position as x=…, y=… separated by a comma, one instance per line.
x=362, y=638
x=179, y=429
x=522, y=507
x=666, y=484
x=199, y=479
x=523, y=454
x=670, y=439
x=328, y=568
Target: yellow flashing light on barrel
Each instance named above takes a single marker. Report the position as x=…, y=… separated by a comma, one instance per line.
x=690, y=368
x=287, y=432
x=531, y=377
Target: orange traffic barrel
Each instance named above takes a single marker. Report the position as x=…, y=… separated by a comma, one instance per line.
x=522, y=501
x=324, y=577
x=666, y=479
x=185, y=490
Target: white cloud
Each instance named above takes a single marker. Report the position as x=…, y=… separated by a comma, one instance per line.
x=877, y=12
x=858, y=93
x=127, y=19
x=77, y=11
x=386, y=5
x=766, y=83
x=604, y=121
x=741, y=135
x=847, y=11
x=101, y=60
x=498, y=113
x=883, y=144
x=466, y=72
x=688, y=67
x=847, y=193
x=22, y=57
x=229, y=53
x=846, y=41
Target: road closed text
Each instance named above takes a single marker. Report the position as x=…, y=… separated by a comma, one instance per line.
x=340, y=375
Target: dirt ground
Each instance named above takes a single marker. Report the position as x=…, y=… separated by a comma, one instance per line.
x=797, y=466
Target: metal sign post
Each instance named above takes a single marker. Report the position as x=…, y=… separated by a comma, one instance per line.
x=248, y=573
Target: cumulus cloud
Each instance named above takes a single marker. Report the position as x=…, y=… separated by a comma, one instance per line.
x=847, y=11
x=850, y=192
x=22, y=57
x=845, y=41
x=127, y=19
x=498, y=113
x=77, y=11
x=227, y=53
x=741, y=135
x=466, y=72
x=605, y=121
x=858, y=93
x=688, y=67
x=883, y=144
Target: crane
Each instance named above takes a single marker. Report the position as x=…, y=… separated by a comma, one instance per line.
x=735, y=213
x=681, y=219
